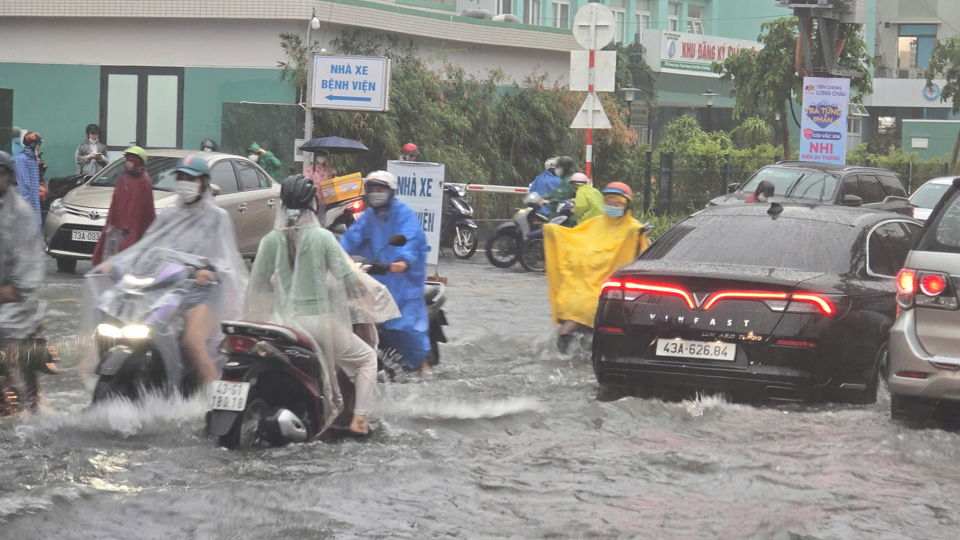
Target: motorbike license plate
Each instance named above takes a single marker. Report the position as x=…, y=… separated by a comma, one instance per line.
x=703, y=350
x=85, y=236
x=229, y=396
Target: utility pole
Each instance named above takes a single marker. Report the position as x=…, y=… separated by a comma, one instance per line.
x=831, y=17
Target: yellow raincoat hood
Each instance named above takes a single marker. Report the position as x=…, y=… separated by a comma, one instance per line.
x=580, y=259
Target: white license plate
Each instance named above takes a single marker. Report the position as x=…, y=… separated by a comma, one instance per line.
x=703, y=350
x=229, y=396
x=86, y=236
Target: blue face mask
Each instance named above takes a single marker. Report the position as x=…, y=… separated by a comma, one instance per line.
x=614, y=211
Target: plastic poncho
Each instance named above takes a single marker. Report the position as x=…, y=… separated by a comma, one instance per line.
x=545, y=183
x=580, y=259
x=564, y=192
x=369, y=238
x=131, y=213
x=268, y=162
x=588, y=203
x=21, y=265
x=202, y=229
x=303, y=279
x=28, y=180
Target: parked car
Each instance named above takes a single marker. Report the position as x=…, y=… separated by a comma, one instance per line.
x=759, y=301
x=801, y=181
x=928, y=195
x=73, y=224
x=924, y=369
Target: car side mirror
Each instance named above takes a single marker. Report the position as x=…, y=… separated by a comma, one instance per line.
x=895, y=199
x=398, y=240
x=851, y=200
x=215, y=189
x=732, y=187
x=339, y=228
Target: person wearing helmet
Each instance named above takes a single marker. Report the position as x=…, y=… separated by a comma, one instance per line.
x=131, y=207
x=265, y=159
x=409, y=152
x=565, y=191
x=547, y=181
x=209, y=145
x=91, y=155
x=763, y=192
x=196, y=226
x=27, y=165
x=588, y=201
x=369, y=237
x=303, y=279
x=579, y=260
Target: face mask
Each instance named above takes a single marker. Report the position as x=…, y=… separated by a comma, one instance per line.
x=614, y=211
x=93, y=141
x=378, y=199
x=187, y=191
x=254, y=157
x=762, y=197
x=207, y=149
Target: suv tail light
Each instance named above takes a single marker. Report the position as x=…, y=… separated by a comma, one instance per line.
x=926, y=289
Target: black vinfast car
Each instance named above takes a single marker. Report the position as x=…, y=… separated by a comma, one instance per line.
x=784, y=302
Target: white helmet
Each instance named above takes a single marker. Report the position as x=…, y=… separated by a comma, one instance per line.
x=550, y=163
x=381, y=177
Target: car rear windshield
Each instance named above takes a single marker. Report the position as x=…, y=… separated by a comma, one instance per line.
x=161, y=170
x=943, y=229
x=800, y=244
x=795, y=183
x=928, y=195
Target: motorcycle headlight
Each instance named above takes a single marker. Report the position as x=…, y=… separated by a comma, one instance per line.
x=136, y=331
x=56, y=208
x=109, y=331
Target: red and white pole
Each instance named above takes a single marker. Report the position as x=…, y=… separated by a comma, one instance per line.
x=589, y=153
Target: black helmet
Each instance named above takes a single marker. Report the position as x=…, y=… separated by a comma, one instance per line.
x=567, y=164
x=766, y=187
x=6, y=162
x=298, y=192
x=209, y=143
x=93, y=128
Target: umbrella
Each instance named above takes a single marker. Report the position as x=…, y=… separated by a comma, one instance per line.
x=334, y=145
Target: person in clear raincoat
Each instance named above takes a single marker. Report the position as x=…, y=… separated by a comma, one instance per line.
x=194, y=226
x=303, y=279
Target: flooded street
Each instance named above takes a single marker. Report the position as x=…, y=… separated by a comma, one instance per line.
x=506, y=440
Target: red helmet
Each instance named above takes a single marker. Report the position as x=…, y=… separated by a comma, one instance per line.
x=32, y=138
x=618, y=188
x=409, y=148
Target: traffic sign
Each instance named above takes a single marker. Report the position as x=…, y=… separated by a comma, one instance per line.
x=593, y=26
x=351, y=83
x=639, y=114
x=605, y=71
x=584, y=119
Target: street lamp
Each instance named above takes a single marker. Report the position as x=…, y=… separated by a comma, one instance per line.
x=709, y=95
x=629, y=93
x=308, y=117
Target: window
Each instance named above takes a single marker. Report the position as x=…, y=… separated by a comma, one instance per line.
x=223, y=176
x=249, y=179
x=695, y=19
x=854, y=124
x=673, y=17
x=892, y=185
x=162, y=172
x=886, y=125
x=143, y=106
x=619, y=9
x=871, y=188
x=850, y=187
x=915, y=45
x=531, y=11
x=504, y=7
x=561, y=14
x=887, y=249
x=943, y=234
x=642, y=19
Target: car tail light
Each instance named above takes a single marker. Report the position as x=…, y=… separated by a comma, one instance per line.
x=933, y=284
x=240, y=343
x=660, y=289
x=911, y=374
x=744, y=295
x=357, y=206
x=610, y=330
x=612, y=290
x=793, y=343
x=907, y=281
x=804, y=302
x=927, y=289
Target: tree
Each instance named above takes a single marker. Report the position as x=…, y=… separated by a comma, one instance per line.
x=767, y=80
x=945, y=61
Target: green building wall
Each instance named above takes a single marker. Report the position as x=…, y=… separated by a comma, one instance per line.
x=941, y=135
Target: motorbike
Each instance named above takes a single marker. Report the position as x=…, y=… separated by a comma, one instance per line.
x=141, y=324
x=20, y=362
x=531, y=250
x=271, y=388
x=457, y=230
x=503, y=248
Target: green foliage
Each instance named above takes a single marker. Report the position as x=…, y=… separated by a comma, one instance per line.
x=753, y=132
x=913, y=172
x=294, y=70
x=660, y=224
x=945, y=62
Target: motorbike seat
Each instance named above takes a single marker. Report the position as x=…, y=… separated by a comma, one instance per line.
x=273, y=332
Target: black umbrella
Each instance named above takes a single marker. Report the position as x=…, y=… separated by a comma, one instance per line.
x=334, y=145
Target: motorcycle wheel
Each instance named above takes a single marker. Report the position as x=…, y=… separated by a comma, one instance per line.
x=532, y=258
x=247, y=429
x=464, y=242
x=502, y=249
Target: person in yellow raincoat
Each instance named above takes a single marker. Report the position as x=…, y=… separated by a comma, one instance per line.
x=588, y=202
x=580, y=259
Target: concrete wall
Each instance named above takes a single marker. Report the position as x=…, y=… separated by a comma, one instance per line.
x=944, y=13
x=941, y=136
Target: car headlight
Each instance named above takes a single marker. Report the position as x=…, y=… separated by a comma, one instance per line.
x=133, y=331
x=56, y=208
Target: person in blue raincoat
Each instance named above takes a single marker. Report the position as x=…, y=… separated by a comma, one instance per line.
x=547, y=181
x=369, y=237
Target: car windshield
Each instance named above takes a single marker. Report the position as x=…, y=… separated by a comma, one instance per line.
x=795, y=183
x=759, y=241
x=928, y=195
x=161, y=170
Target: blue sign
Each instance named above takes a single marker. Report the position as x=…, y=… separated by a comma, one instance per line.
x=932, y=92
x=823, y=129
x=351, y=83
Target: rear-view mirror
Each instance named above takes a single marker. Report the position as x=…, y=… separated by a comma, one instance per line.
x=733, y=187
x=398, y=240
x=851, y=200
x=896, y=199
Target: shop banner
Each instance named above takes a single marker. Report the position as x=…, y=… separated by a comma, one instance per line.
x=823, y=129
x=420, y=186
x=692, y=54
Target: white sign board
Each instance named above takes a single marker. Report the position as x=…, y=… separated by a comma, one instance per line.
x=823, y=127
x=297, y=152
x=584, y=120
x=605, y=71
x=352, y=83
x=691, y=54
x=593, y=26
x=420, y=186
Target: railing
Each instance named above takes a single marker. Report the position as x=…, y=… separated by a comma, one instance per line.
x=900, y=73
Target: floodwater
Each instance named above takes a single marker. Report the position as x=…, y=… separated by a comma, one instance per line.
x=507, y=440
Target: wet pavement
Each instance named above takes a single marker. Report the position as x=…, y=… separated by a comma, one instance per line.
x=506, y=440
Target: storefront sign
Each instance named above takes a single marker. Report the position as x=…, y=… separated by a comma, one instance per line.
x=695, y=53
x=823, y=130
x=639, y=114
x=420, y=186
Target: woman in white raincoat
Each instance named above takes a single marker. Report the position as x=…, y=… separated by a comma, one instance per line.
x=195, y=226
x=303, y=279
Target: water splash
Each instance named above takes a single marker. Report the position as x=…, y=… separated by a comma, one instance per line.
x=463, y=410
